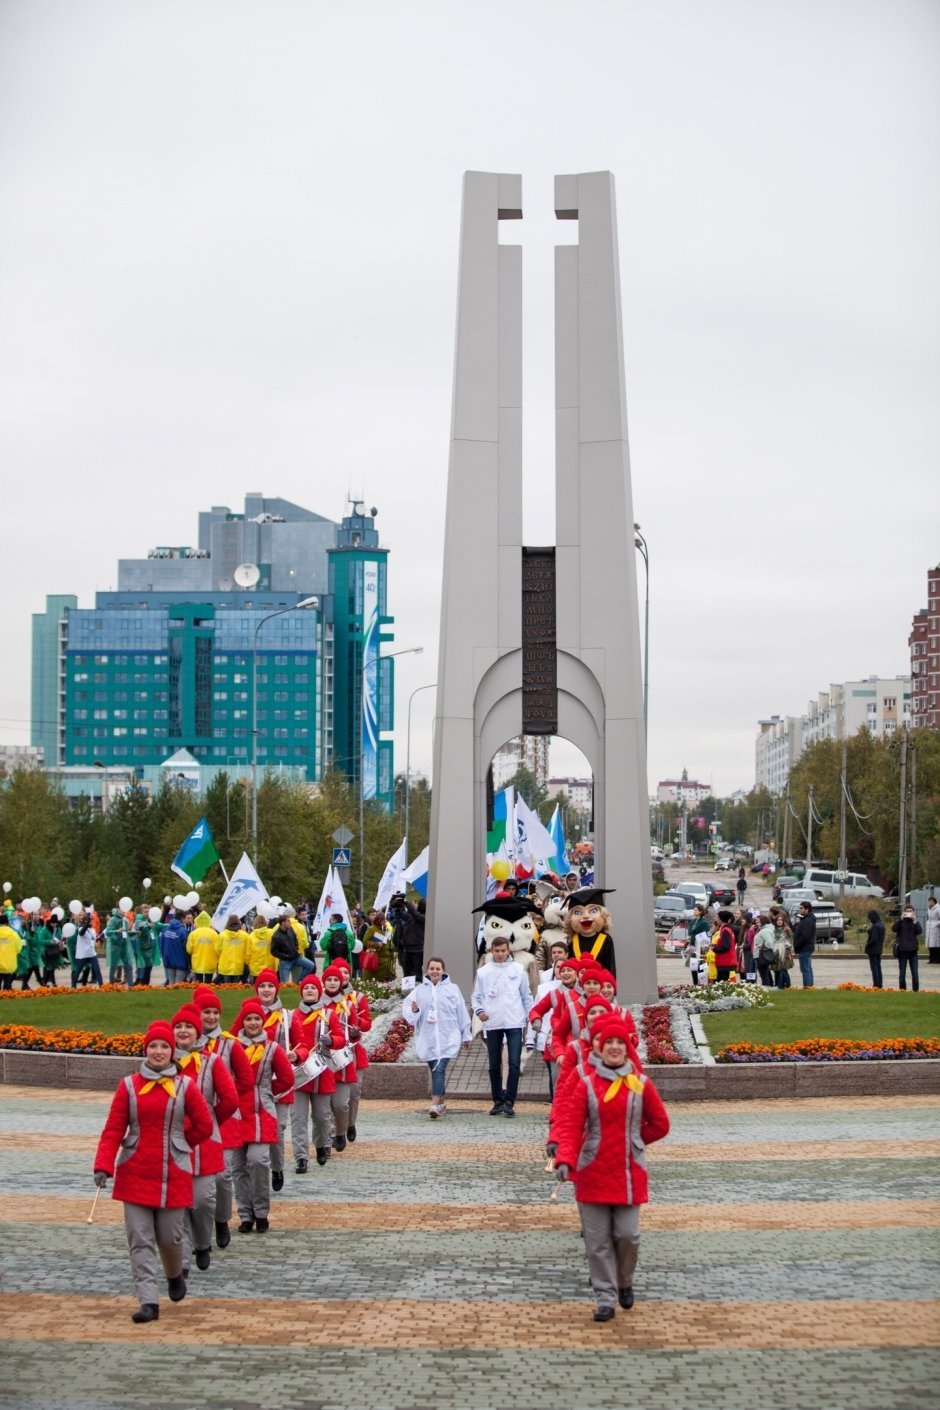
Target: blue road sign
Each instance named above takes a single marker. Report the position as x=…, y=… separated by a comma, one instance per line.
x=342, y=857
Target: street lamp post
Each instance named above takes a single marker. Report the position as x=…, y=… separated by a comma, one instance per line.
x=640, y=542
x=431, y=686
x=406, y=651
x=294, y=607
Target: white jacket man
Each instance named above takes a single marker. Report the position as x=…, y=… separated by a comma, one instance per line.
x=501, y=1000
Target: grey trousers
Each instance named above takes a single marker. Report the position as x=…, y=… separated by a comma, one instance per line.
x=304, y=1104
x=197, y=1226
x=223, y=1190
x=277, y=1151
x=149, y=1232
x=355, y=1092
x=339, y=1105
x=251, y=1171
x=612, y=1243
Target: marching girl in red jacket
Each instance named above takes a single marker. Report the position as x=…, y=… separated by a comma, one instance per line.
x=277, y=1028
x=610, y=1114
x=272, y=1074
x=215, y=1084
x=315, y=1030
x=156, y=1118
x=364, y=1024
x=231, y=1054
x=345, y=1010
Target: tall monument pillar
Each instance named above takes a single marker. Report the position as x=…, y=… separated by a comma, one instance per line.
x=540, y=640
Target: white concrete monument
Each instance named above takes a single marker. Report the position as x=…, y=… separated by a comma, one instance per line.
x=540, y=640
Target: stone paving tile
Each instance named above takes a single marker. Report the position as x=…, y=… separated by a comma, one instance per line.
x=719, y=1379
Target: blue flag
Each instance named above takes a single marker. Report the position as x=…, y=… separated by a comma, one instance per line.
x=556, y=832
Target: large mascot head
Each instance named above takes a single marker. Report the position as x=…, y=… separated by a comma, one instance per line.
x=585, y=913
x=512, y=919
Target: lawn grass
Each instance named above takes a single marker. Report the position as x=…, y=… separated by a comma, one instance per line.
x=127, y=1012
x=827, y=1013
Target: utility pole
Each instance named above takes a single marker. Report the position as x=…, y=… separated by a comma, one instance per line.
x=912, y=850
x=843, y=864
x=902, y=839
x=785, y=858
x=809, y=830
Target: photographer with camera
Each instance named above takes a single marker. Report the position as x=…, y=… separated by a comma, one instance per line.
x=408, y=921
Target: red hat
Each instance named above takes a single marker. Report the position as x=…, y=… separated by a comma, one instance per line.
x=613, y=1027
x=252, y=1006
x=206, y=998
x=606, y=976
x=311, y=980
x=267, y=976
x=595, y=1001
x=336, y=971
x=188, y=1014
x=159, y=1031
x=592, y=972
x=340, y=963
x=569, y=961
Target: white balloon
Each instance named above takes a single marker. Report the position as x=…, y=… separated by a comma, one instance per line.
x=146, y=883
x=126, y=904
x=8, y=887
x=168, y=900
x=26, y=905
x=68, y=930
x=58, y=912
x=76, y=908
x=275, y=900
x=192, y=898
x=264, y=910
x=179, y=902
x=155, y=914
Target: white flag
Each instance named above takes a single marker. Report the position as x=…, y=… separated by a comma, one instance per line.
x=242, y=894
x=332, y=902
x=534, y=837
x=417, y=873
x=392, y=881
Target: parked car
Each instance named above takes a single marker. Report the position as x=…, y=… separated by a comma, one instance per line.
x=796, y=894
x=677, y=939
x=828, y=884
x=697, y=889
x=720, y=894
x=724, y=864
x=830, y=922
x=668, y=910
x=782, y=884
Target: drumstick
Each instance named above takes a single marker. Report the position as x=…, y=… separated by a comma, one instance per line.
x=93, y=1204
x=554, y=1194
x=550, y=1165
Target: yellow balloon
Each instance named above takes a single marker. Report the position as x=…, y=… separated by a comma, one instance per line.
x=499, y=869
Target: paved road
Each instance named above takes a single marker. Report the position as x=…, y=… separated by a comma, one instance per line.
x=790, y=1260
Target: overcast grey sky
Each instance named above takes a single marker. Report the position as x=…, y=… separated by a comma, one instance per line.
x=228, y=252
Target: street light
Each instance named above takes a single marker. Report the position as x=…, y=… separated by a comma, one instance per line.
x=640, y=542
x=367, y=665
x=431, y=686
x=294, y=607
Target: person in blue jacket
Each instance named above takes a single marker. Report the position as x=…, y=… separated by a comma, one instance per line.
x=173, y=950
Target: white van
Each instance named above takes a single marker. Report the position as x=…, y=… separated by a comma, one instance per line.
x=827, y=885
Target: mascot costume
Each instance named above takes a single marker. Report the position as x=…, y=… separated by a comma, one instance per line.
x=512, y=918
x=587, y=925
x=551, y=900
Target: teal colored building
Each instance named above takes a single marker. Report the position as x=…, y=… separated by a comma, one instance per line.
x=181, y=658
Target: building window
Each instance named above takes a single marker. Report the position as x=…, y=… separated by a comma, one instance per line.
x=280, y=695
x=120, y=729
x=100, y=661
x=281, y=678
x=80, y=714
x=301, y=678
x=100, y=715
x=140, y=729
x=120, y=714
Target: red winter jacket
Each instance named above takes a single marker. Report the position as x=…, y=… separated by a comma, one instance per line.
x=567, y=1017
x=215, y=1084
x=277, y=1028
x=152, y=1126
x=603, y=1140
x=725, y=948
x=232, y=1055
x=347, y=1013
x=272, y=1074
x=363, y=1022
x=306, y=1029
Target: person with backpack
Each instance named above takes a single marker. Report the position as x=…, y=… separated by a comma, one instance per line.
x=338, y=942
x=765, y=955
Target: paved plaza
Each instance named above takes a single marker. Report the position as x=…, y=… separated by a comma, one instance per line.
x=790, y=1259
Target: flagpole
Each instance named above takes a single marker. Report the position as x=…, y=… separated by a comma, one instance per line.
x=224, y=872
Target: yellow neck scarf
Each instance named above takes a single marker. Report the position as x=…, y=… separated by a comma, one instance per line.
x=191, y=1059
x=255, y=1053
x=167, y=1083
x=631, y=1081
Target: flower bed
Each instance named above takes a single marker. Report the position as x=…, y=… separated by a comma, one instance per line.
x=657, y=1031
x=395, y=1042
x=831, y=1050
x=23, y=1037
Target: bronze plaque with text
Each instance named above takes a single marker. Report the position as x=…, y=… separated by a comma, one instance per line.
x=539, y=669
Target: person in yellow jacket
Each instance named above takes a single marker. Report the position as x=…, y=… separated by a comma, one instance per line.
x=231, y=949
x=202, y=948
x=10, y=946
x=259, y=948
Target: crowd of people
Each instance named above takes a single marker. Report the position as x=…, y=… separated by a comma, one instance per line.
x=200, y=1129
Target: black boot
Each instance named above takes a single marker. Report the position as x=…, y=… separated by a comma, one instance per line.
x=300, y=1168
x=351, y=1135
x=246, y=1226
x=339, y=1143
x=146, y=1312
x=625, y=1298
x=277, y=1180
x=223, y=1234
x=261, y=1226
x=203, y=1258
x=323, y=1154
x=603, y=1314
x=176, y=1287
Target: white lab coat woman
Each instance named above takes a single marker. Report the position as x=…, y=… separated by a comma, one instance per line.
x=437, y=1011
